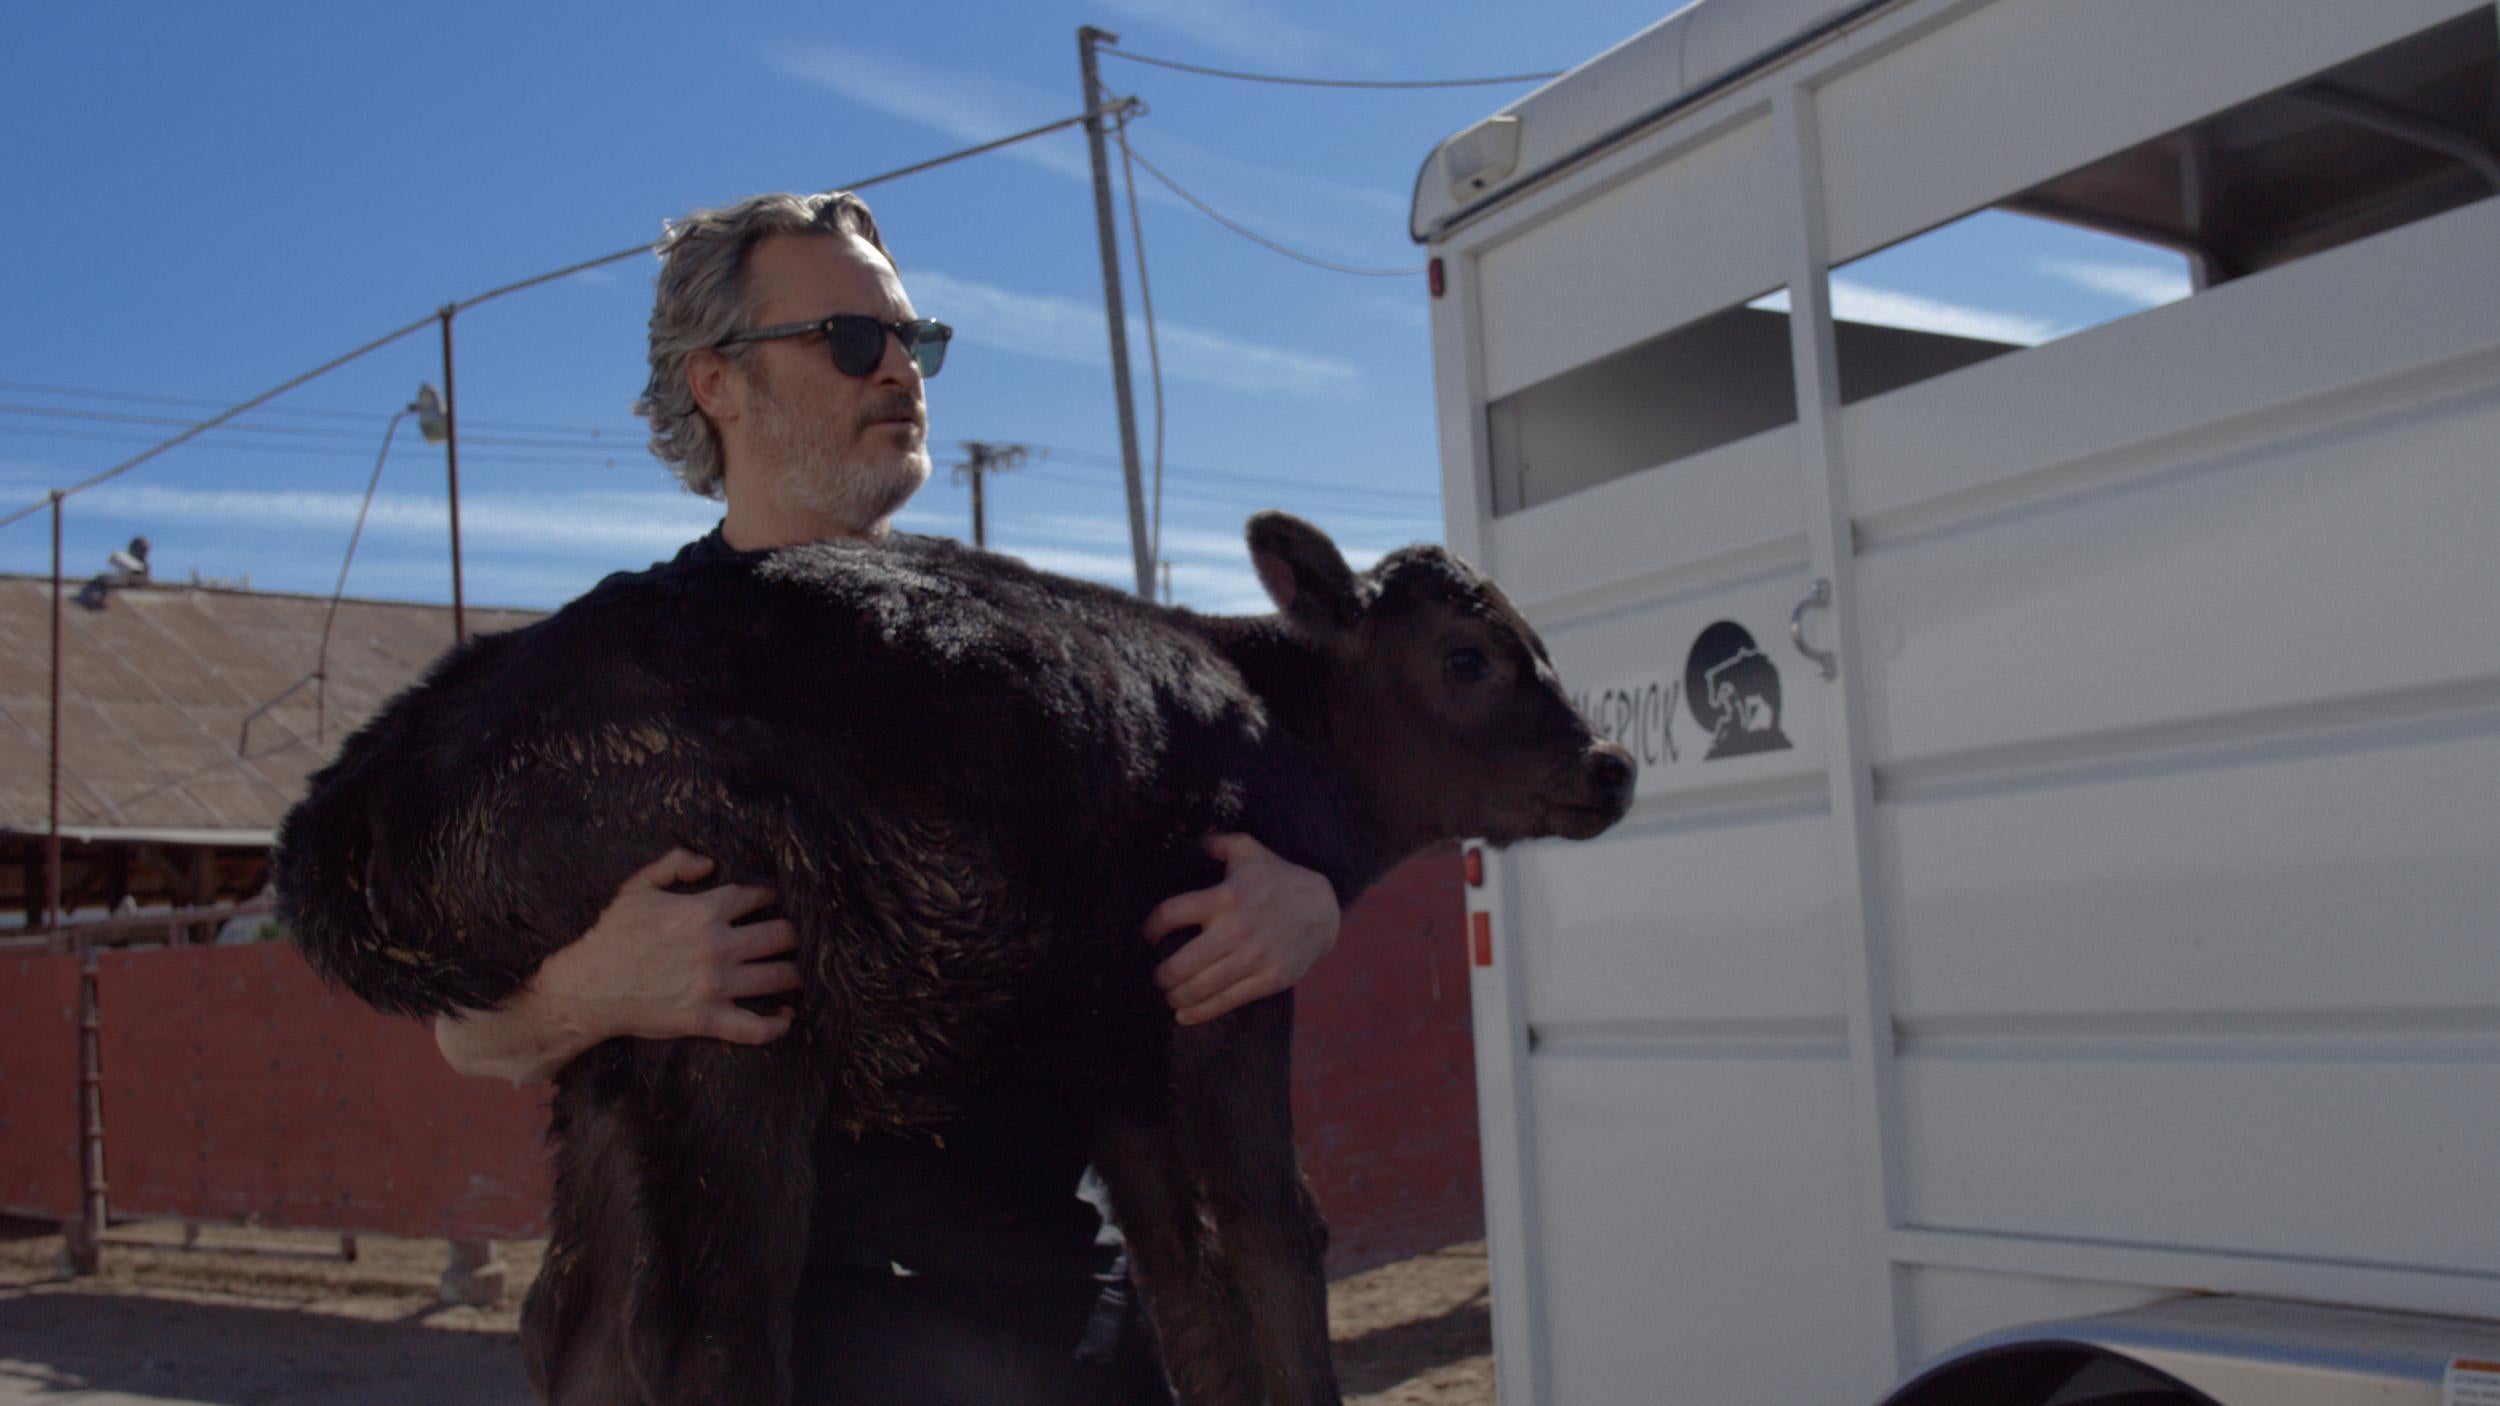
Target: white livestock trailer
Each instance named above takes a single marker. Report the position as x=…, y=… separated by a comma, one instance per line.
x=2055, y=953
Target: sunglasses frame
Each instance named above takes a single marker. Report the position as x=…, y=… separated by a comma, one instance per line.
x=924, y=339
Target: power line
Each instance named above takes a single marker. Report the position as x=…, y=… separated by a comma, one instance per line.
x=880, y=178
x=124, y=417
x=370, y=417
x=288, y=435
x=320, y=451
x=1234, y=510
x=443, y=316
x=556, y=454
x=1208, y=486
x=1331, y=82
x=1224, y=492
x=321, y=659
x=1219, y=495
x=145, y=398
x=65, y=412
x=1154, y=347
x=213, y=421
x=552, y=454
x=1262, y=240
x=1254, y=480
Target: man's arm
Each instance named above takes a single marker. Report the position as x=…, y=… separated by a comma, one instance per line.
x=656, y=964
x=1260, y=929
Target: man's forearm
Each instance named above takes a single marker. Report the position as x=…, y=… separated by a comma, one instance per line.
x=522, y=1040
x=658, y=965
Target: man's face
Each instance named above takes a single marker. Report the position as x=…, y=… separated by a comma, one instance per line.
x=852, y=448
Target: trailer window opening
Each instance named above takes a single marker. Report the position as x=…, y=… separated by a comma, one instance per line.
x=2400, y=134
x=1985, y=285
x=1713, y=381
x=2397, y=135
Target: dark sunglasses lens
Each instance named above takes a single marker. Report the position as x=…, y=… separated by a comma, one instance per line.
x=858, y=344
x=927, y=341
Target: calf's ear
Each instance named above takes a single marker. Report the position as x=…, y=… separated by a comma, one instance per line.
x=1304, y=573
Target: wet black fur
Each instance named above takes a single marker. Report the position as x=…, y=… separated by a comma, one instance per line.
x=969, y=782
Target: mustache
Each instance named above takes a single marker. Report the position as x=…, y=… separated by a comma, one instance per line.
x=898, y=406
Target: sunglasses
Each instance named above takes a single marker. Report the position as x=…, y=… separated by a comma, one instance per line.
x=858, y=342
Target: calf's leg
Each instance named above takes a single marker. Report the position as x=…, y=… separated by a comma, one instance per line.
x=573, y=1324
x=724, y=1187
x=1235, y=1081
x=1200, y=1322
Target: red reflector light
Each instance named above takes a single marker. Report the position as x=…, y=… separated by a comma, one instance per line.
x=1481, y=929
x=1433, y=276
x=1475, y=868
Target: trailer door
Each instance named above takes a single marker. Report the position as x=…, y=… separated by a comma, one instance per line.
x=1663, y=1014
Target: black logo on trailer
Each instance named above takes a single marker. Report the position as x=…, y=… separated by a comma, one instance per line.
x=1734, y=693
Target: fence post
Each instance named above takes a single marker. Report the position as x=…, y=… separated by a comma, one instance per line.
x=476, y=1274
x=86, y=1239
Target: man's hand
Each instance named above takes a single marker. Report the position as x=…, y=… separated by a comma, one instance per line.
x=1259, y=931
x=656, y=964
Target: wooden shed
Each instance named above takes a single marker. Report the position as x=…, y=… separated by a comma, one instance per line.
x=190, y=716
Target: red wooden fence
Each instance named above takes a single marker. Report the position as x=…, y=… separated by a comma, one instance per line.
x=237, y=1086
x=39, y=1086
x=1384, y=1073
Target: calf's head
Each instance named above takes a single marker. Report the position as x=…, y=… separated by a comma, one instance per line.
x=1438, y=697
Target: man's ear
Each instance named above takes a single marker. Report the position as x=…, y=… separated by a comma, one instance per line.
x=718, y=387
x=1304, y=573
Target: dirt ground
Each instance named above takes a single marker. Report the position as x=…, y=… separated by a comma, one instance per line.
x=168, y=1328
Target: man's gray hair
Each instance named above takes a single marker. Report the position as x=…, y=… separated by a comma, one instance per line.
x=703, y=297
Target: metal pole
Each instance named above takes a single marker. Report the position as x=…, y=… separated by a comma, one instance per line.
x=451, y=461
x=90, y=1225
x=86, y=1256
x=1114, y=312
x=52, y=840
x=981, y=459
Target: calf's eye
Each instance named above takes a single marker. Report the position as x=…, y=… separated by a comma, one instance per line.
x=1466, y=664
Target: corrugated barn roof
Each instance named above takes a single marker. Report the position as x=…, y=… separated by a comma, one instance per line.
x=156, y=684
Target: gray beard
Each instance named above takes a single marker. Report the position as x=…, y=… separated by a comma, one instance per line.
x=862, y=498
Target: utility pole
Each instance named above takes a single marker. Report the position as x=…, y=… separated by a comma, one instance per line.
x=1114, y=312
x=451, y=467
x=984, y=458
x=1167, y=580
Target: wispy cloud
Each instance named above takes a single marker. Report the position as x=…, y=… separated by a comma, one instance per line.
x=1364, y=540
x=968, y=107
x=978, y=107
x=622, y=525
x=483, y=581
x=1231, y=26
x=542, y=549
x=1884, y=307
x=1070, y=330
x=2141, y=284
x=1210, y=570
x=16, y=474
x=576, y=523
x=1858, y=302
x=1191, y=164
x=1210, y=586
x=1409, y=312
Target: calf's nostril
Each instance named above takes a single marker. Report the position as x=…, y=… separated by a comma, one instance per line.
x=1612, y=773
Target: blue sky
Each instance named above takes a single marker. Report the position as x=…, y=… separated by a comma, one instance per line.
x=210, y=200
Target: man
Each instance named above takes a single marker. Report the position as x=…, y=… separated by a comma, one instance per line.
x=971, y=1270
